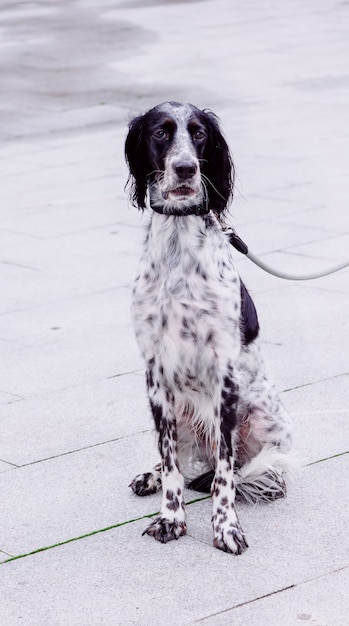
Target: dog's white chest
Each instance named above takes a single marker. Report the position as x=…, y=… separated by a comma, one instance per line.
x=184, y=302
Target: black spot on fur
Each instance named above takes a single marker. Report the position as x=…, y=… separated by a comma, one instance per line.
x=209, y=337
x=189, y=375
x=150, y=373
x=169, y=395
x=228, y=416
x=173, y=502
x=164, y=321
x=177, y=381
x=220, y=480
x=173, y=505
x=273, y=427
x=157, y=414
x=201, y=272
x=248, y=317
x=215, y=491
x=167, y=457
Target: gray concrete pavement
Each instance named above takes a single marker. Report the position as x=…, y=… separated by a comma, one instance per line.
x=75, y=422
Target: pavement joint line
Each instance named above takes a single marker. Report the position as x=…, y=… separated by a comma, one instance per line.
x=29, y=397
x=140, y=432
x=79, y=231
x=9, y=463
x=16, y=396
x=72, y=298
x=327, y=458
x=91, y=534
x=272, y=593
x=305, y=243
x=7, y=553
x=237, y=606
x=303, y=255
x=94, y=445
x=20, y=266
x=147, y=516
x=84, y=536
x=140, y=369
x=23, y=234
x=316, y=382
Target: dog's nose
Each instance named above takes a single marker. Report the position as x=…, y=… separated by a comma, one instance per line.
x=185, y=169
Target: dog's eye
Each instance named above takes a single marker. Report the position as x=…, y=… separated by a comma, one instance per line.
x=199, y=134
x=161, y=134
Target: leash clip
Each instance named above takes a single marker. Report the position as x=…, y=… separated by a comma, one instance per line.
x=235, y=240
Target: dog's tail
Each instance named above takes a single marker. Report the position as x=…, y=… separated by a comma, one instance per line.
x=261, y=479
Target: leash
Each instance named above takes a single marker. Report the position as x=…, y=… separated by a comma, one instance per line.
x=241, y=246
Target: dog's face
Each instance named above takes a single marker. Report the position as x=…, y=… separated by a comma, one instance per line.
x=177, y=152
x=176, y=143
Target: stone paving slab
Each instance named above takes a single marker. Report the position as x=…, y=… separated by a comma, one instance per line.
x=92, y=489
x=109, y=561
x=75, y=421
x=75, y=418
x=315, y=603
x=74, y=494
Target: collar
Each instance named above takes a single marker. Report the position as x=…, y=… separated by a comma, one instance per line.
x=196, y=209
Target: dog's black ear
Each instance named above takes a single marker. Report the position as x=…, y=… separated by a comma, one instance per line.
x=136, y=158
x=217, y=166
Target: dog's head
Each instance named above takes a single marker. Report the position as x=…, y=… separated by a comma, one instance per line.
x=177, y=153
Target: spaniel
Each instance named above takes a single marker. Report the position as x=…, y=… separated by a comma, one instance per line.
x=220, y=424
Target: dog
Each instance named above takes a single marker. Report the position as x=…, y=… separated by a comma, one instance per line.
x=220, y=424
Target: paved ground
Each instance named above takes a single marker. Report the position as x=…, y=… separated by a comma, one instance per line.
x=75, y=423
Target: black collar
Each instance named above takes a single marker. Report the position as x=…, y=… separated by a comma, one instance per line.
x=234, y=238
x=197, y=209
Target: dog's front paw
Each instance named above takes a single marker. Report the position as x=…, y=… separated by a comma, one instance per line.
x=229, y=538
x=146, y=484
x=165, y=530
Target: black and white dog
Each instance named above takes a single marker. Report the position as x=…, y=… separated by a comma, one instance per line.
x=219, y=421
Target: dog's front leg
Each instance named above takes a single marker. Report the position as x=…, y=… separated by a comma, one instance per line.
x=170, y=524
x=227, y=532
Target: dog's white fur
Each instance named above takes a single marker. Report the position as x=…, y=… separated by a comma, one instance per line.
x=214, y=408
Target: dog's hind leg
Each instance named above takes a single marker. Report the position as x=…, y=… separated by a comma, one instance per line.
x=264, y=443
x=147, y=483
x=264, y=453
